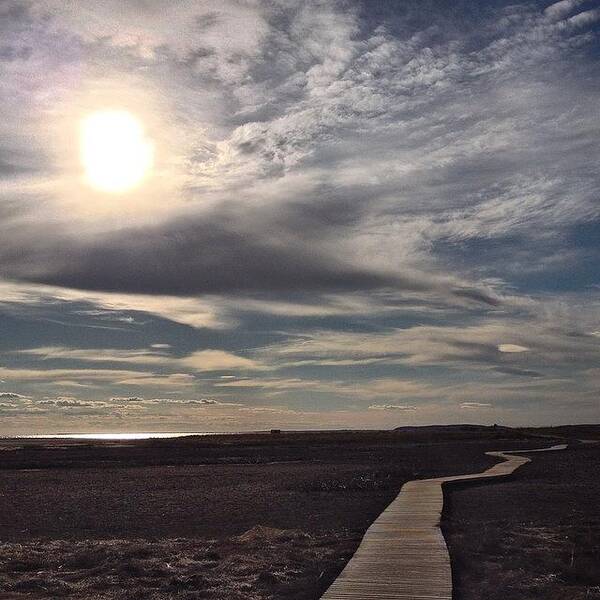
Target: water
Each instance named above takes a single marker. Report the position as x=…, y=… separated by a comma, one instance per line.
x=141, y=435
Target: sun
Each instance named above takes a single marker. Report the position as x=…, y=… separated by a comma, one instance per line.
x=115, y=152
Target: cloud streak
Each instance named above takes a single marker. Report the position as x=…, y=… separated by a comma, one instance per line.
x=352, y=206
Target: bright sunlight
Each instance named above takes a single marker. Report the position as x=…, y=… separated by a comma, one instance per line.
x=115, y=153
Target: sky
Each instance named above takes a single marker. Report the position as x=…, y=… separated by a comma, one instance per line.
x=358, y=215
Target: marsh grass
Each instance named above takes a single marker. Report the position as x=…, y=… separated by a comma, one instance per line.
x=536, y=536
x=250, y=517
x=260, y=564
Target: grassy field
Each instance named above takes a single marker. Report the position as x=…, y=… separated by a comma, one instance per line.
x=233, y=517
x=261, y=563
x=251, y=517
x=534, y=536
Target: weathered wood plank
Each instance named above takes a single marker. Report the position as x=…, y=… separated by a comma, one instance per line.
x=403, y=554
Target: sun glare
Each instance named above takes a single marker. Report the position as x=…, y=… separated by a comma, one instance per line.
x=115, y=153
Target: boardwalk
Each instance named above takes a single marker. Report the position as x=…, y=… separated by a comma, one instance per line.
x=403, y=555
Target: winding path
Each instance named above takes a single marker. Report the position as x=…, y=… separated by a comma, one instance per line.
x=403, y=554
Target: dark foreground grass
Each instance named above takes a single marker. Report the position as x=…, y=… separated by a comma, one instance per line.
x=243, y=517
x=195, y=489
x=535, y=536
x=262, y=563
x=247, y=517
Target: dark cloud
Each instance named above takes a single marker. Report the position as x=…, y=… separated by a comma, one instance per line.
x=12, y=53
x=476, y=295
x=8, y=168
x=187, y=258
x=294, y=247
x=519, y=372
x=207, y=20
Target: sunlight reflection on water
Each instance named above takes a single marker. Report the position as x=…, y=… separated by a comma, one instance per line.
x=142, y=435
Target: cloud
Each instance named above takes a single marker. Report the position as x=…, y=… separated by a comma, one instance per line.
x=33, y=300
x=95, y=377
x=148, y=379
x=231, y=29
x=392, y=407
x=202, y=402
x=475, y=405
x=211, y=402
x=298, y=228
x=141, y=356
x=512, y=348
x=201, y=360
x=562, y=8
x=11, y=396
x=474, y=345
x=67, y=402
x=519, y=372
x=587, y=17
x=207, y=401
x=348, y=206
x=238, y=261
x=218, y=360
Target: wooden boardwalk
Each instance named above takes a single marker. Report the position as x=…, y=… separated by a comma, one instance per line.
x=403, y=555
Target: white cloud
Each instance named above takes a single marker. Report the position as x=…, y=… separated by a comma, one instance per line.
x=217, y=360
x=392, y=407
x=229, y=28
x=562, y=8
x=475, y=405
x=474, y=345
x=187, y=311
x=202, y=360
x=585, y=18
x=512, y=348
x=11, y=396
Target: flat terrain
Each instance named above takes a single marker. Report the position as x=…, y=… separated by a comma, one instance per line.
x=228, y=517
x=536, y=535
x=255, y=516
x=221, y=487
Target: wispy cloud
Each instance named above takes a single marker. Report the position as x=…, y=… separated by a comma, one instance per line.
x=512, y=348
x=11, y=396
x=203, y=360
x=350, y=207
x=392, y=407
x=475, y=405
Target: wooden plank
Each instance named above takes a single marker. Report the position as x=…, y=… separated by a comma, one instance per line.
x=403, y=554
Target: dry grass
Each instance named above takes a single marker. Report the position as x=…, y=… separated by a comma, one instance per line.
x=260, y=564
x=240, y=517
x=536, y=536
